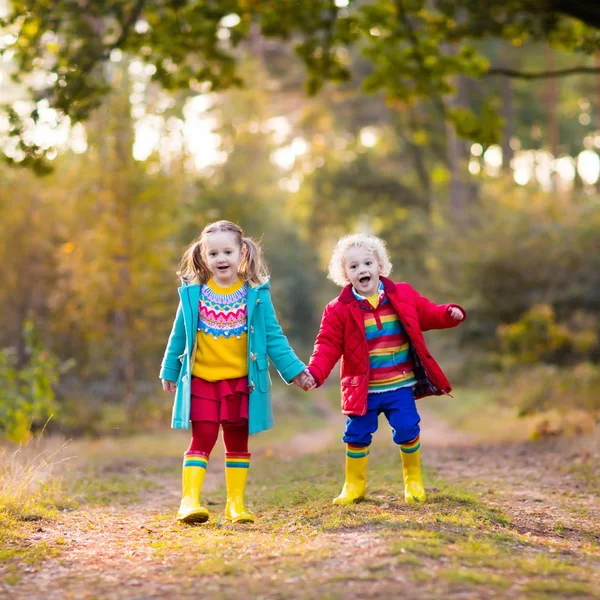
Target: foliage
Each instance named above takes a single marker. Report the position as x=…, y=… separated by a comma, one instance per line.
x=538, y=337
x=415, y=49
x=28, y=390
x=534, y=353
x=517, y=250
x=544, y=387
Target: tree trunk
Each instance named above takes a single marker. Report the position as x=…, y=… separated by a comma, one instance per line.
x=508, y=115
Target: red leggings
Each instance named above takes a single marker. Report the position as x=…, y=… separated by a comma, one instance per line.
x=205, y=434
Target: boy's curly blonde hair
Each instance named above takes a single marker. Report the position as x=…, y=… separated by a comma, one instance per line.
x=337, y=269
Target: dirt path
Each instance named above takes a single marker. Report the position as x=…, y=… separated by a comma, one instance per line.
x=548, y=490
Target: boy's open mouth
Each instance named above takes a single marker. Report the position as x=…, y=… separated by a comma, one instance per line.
x=364, y=279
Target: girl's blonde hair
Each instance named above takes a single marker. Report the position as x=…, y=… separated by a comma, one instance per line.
x=337, y=269
x=193, y=265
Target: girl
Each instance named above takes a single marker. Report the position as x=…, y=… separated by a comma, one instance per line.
x=216, y=361
x=376, y=326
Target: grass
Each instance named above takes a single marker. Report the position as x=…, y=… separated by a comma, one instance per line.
x=453, y=542
x=30, y=493
x=476, y=411
x=301, y=545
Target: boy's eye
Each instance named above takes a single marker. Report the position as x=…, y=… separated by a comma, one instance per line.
x=227, y=251
x=368, y=263
x=353, y=266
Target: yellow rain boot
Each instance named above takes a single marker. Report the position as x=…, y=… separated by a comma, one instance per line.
x=411, y=468
x=236, y=475
x=355, y=486
x=194, y=472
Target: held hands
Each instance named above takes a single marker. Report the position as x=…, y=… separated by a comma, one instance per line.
x=456, y=313
x=305, y=380
x=169, y=386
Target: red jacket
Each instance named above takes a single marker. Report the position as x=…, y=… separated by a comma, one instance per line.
x=342, y=334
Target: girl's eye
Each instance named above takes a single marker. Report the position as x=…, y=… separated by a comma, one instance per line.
x=228, y=252
x=368, y=263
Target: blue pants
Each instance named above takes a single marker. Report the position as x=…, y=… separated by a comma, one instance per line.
x=400, y=409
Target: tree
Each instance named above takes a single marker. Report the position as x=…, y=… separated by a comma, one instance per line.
x=415, y=48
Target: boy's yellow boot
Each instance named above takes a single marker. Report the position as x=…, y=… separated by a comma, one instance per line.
x=411, y=468
x=194, y=472
x=236, y=475
x=355, y=486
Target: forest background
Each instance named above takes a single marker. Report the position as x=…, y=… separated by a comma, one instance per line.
x=467, y=138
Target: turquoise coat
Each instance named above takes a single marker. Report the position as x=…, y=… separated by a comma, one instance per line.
x=265, y=339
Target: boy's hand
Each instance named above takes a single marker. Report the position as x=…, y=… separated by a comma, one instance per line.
x=456, y=313
x=305, y=380
x=169, y=386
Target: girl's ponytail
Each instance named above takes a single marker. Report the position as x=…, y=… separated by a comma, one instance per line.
x=253, y=268
x=192, y=266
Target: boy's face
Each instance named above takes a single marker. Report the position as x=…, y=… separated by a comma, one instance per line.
x=362, y=270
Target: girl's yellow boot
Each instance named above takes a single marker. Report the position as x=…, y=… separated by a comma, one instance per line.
x=194, y=472
x=411, y=467
x=355, y=486
x=236, y=475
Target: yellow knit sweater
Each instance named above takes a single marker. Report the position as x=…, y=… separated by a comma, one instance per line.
x=222, y=338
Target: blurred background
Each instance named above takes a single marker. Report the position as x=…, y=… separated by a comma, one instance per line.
x=429, y=126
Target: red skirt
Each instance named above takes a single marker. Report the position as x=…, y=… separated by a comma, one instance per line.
x=223, y=401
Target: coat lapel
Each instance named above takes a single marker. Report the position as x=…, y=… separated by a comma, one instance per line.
x=190, y=296
x=251, y=303
x=347, y=297
x=357, y=315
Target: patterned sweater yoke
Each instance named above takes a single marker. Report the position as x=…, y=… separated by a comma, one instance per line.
x=223, y=311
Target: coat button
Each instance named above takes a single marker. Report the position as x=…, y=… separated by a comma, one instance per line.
x=258, y=301
x=251, y=328
x=252, y=356
x=251, y=387
x=428, y=355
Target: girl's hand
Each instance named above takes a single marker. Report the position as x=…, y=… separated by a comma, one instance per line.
x=456, y=313
x=169, y=386
x=305, y=380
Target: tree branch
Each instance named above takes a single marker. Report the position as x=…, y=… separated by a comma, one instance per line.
x=581, y=70
x=413, y=38
x=125, y=29
x=584, y=10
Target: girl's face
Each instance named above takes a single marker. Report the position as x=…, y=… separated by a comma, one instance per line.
x=362, y=270
x=223, y=256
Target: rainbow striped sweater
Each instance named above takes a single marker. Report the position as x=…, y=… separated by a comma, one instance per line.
x=222, y=338
x=391, y=363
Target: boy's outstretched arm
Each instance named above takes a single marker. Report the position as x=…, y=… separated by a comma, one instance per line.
x=438, y=316
x=329, y=346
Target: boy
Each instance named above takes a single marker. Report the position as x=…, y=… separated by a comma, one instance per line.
x=375, y=326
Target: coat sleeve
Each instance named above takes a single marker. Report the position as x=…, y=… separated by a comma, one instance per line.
x=278, y=348
x=435, y=316
x=329, y=346
x=171, y=365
